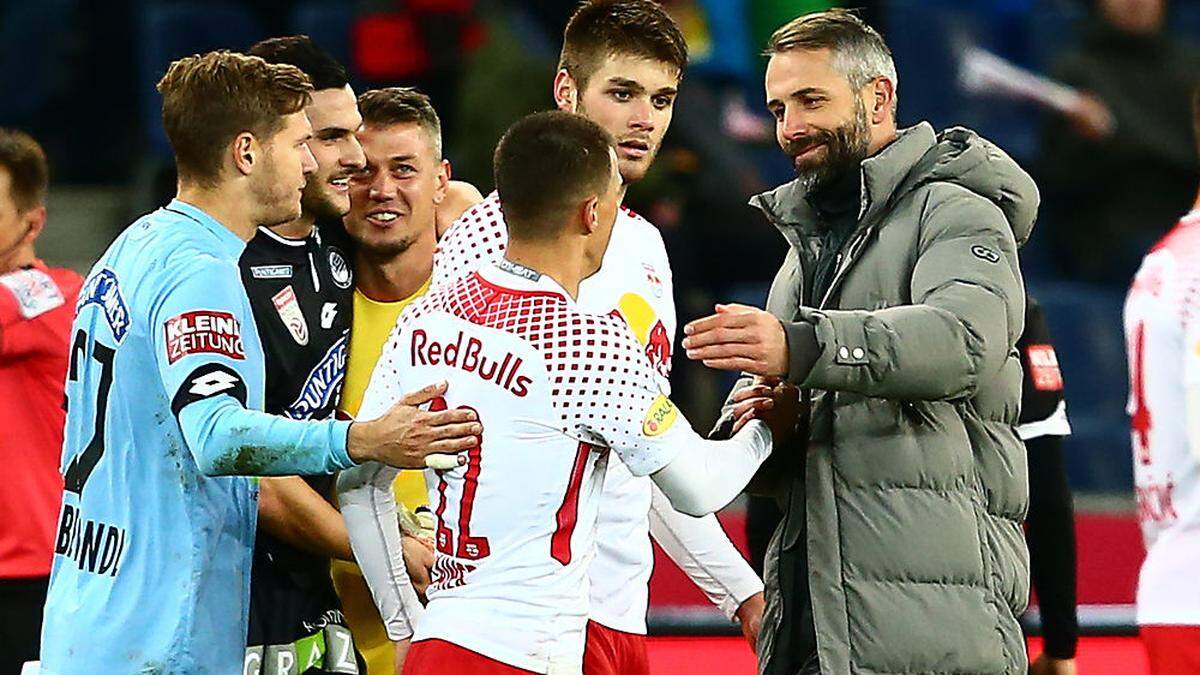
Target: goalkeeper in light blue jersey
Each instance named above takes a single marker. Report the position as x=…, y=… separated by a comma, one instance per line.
x=164, y=393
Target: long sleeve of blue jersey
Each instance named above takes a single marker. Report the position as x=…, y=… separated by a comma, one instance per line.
x=211, y=366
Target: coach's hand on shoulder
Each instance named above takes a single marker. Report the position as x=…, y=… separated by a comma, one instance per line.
x=405, y=435
x=739, y=337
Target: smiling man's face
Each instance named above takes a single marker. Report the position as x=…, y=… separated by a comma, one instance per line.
x=393, y=200
x=334, y=117
x=820, y=121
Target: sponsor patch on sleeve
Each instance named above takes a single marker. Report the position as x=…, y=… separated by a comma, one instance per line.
x=204, y=332
x=35, y=291
x=661, y=415
x=1043, y=368
x=103, y=291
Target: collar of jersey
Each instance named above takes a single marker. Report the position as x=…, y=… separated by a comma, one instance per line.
x=497, y=276
x=229, y=241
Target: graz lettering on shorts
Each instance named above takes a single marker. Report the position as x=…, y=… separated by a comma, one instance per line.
x=467, y=353
x=323, y=384
x=96, y=547
x=204, y=331
x=102, y=290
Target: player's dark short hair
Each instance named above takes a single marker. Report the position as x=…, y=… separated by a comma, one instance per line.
x=602, y=28
x=28, y=172
x=300, y=51
x=546, y=165
x=401, y=105
x=208, y=99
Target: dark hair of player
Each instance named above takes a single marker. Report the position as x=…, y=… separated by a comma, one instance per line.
x=602, y=28
x=545, y=166
x=401, y=105
x=28, y=172
x=208, y=99
x=300, y=51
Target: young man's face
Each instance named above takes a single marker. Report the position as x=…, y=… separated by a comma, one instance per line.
x=334, y=116
x=820, y=122
x=287, y=163
x=393, y=201
x=632, y=98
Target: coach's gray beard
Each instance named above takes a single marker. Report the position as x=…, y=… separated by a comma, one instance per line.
x=846, y=147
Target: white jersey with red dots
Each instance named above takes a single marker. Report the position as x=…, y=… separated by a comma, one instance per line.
x=1162, y=330
x=634, y=283
x=555, y=389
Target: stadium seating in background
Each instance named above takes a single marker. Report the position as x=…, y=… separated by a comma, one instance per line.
x=31, y=30
x=1085, y=322
x=328, y=24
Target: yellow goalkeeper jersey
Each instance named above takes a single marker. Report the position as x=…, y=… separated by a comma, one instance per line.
x=373, y=321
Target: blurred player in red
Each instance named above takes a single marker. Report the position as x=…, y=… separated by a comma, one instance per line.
x=621, y=65
x=37, y=304
x=1162, y=332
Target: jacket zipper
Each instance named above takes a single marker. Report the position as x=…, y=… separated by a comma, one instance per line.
x=842, y=263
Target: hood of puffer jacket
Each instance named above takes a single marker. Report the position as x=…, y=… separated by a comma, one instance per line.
x=917, y=157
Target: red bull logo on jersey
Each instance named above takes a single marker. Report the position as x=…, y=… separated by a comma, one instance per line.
x=649, y=330
x=466, y=353
x=204, y=332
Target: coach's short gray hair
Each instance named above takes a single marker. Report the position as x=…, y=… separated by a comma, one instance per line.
x=858, y=50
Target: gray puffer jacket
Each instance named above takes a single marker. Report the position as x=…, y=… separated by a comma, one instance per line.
x=914, y=484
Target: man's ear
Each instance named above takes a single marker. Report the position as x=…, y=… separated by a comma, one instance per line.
x=566, y=93
x=883, y=97
x=589, y=213
x=443, y=181
x=35, y=220
x=246, y=150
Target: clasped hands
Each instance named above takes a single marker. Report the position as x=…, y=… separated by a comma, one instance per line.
x=750, y=340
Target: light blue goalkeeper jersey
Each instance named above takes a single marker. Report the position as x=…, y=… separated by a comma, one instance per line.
x=152, y=559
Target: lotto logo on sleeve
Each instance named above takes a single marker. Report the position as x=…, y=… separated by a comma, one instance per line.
x=204, y=332
x=1043, y=368
x=659, y=417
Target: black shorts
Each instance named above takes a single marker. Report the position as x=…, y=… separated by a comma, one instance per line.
x=296, y=620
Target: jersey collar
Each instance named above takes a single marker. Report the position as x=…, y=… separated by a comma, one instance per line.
x=230, y=242
x=510, y=275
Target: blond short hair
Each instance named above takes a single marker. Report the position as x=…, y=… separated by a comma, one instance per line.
x=208, y=99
